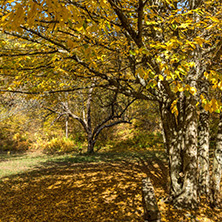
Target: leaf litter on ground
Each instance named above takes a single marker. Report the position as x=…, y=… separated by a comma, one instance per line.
x=103, y=187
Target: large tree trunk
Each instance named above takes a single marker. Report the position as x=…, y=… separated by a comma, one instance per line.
x=203, y=149
x=173, y=147
x=188, y=196
x=181, y=142
x=90, y=148
x=217, y=167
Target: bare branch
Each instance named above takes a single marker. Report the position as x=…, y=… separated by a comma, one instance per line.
x=81, y=121
x=107, y=126
x=28, y=54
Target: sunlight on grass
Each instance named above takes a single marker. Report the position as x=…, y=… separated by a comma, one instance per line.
x=20, y=163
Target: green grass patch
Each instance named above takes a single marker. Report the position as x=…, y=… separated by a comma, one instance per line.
x=138, y=145
x=20, y=163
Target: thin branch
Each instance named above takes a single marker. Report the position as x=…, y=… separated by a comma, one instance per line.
x=29, y=68
x=127, y=106
x=44, y=92
x=107, y=126
x=26, y=38
x=81, y=121
x=28, y=54
x=57, y=118
x=46, y=38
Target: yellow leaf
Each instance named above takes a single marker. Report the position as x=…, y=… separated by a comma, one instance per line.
x=20, y=11
x=179, y=87
x=214, y=19
x=213, y=72
x=174, y=107
x=211, y=26
x=206, y=75
x=5, y=16
x=161, y=78
x=215, y=105
x=202, y=97
x=184, y=25
x=193, y=90
x=70, y=44
x=192, y=45
x=141, y=72
x=199, y=41
x=207, y=107
x=192, y=64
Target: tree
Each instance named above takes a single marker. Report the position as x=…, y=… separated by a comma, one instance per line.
x=152, y=50
x=111, y=109
x=204, y=144
x=217, y=168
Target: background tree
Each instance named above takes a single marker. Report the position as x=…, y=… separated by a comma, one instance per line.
x=111, y=111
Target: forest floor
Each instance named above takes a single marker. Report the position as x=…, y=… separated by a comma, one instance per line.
x=79, y=188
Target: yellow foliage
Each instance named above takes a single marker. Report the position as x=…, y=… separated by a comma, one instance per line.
x=220, y=85
x=174, y=107
x=212, y=105
x=61, y=145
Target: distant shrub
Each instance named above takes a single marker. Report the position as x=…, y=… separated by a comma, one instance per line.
x=15, y=142
x=138, y=140
x=60, y=145
x=78, y=137
x=22, y=146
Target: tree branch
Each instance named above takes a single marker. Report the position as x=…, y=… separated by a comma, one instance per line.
x=125, y=24
x=96, y=134
x=28, y=54
x=81, y=121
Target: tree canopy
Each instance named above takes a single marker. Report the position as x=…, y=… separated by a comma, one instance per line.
x=163, y=46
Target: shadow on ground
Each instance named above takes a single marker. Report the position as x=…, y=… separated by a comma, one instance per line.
x=103, y=187
x=78, y=188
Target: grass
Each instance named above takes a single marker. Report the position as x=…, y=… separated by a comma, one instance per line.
x=13, y=164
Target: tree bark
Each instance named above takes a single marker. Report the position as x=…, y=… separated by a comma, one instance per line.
x=173, y=147
x=217, y=168
x=203, y=149
x=90, y=148
x=151, y=210
x=181, y=141
x=67, y=127
x=188, y=196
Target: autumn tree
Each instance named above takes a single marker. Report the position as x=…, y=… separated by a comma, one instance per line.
x=98, y=111
x=152, y=50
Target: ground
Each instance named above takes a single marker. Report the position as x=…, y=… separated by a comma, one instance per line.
x=76, y=187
